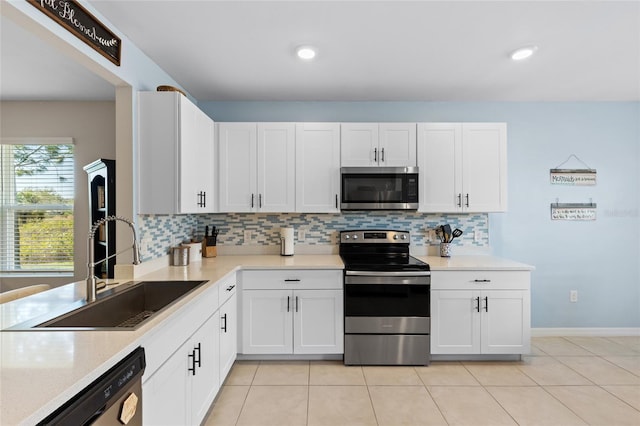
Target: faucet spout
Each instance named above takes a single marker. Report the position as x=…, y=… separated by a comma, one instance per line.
x=91, y=262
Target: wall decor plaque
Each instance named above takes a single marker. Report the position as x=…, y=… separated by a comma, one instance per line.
x=583, y=177
x=81, y=23
x=573, y=211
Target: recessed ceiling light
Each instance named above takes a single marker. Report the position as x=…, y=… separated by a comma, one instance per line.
x=306, y=52
x=523, y=53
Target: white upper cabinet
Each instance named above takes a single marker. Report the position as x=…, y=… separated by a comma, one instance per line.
x=378, y=144
x=463, y=167
x=257, y=167
x=176, y=156
x=317, y=167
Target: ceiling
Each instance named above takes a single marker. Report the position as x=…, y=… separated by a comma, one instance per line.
x=367, y=51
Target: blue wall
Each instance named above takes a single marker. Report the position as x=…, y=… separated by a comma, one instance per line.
x=600, y=259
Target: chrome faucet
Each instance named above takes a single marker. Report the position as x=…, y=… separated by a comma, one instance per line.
x=91, y=263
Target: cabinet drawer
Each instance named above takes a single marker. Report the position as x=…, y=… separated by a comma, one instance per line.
x=479, y=280
x=291, y=279
x=227, y=288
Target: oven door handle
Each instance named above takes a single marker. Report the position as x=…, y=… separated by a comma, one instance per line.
x=389, y=274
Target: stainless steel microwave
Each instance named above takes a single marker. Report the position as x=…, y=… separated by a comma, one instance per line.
x=379, y=188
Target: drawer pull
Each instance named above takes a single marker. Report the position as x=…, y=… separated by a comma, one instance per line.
x=481, y=281
x=292, y=280
x=230, y=287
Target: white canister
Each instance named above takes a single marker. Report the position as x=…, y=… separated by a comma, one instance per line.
x=195, y=252
x=286, y=241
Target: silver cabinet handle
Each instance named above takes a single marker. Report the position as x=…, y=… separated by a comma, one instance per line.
x=478, y=304
x=375, y=155
x=260, y=201
x=382, y=155
x=467, y=202
x=251, y=200
x=224, y=327
x=481, y=281
x=230, y=287
x=459, y=200
x=288, y=300
x=296, y=303
x=336, y=201
x=292, y=280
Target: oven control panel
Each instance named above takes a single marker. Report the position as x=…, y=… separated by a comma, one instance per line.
x=374, y=236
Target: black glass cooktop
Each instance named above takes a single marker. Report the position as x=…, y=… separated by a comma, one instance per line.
x=379, y=262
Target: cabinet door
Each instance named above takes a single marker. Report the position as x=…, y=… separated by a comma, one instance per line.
x=359, y=144
x=397, y=145
x=440, y=186
x=158, y=164
x=318, y=323
x=228, y=336
x=505, y=322
x=317, y=167
x=455, y=322
x=166, y=393
x=276, y=167
x=196, y=160
x=484, y=165
x=266, y=322
x=237, y=165
x=204, y=380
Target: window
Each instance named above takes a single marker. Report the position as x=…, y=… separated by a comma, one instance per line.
x=36, y=205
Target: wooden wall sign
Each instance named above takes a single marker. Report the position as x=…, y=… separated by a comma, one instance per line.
x=81, y=23
x=580, y=177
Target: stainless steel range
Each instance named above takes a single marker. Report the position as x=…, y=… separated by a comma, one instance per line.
x=386, y=300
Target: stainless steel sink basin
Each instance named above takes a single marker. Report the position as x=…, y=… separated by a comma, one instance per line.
x=127, y=306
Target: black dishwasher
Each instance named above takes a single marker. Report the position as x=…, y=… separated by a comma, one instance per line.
x=115, y=398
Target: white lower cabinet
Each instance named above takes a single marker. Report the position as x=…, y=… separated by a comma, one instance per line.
x=228, y=335
x=468, y=316
x=189, y=357
x=182, y=390
x=292, y=312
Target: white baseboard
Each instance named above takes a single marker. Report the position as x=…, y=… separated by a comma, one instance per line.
x=586, y=331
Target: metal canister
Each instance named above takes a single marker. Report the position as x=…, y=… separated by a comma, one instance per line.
x=180, y=255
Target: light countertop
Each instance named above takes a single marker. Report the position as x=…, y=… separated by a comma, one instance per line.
x=473, y=263
x=40, y=370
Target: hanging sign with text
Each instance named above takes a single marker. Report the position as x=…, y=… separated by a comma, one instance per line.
x=577, y=211
x=582, y=177
x=81, y=23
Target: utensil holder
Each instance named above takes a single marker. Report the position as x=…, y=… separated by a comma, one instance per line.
x=445, y=249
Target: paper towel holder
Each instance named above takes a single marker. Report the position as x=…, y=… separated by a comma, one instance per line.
x=286, y=242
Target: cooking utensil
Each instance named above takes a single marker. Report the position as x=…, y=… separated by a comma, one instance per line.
x=447, y=233
x=455, y=234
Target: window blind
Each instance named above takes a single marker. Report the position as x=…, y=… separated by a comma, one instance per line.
x=36, y=205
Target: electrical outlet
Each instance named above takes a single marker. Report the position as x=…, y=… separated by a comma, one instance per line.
x=302, y=235
x=247, y=236
x=573, y=296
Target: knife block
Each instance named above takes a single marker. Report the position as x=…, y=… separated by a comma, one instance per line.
x=208, y=251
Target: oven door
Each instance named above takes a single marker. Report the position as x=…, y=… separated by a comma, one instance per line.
x=380, y=294
x=378, y=188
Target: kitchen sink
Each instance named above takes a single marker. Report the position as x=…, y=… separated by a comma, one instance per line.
x=125, y=307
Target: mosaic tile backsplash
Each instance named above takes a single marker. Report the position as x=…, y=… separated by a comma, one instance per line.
x=159, y=232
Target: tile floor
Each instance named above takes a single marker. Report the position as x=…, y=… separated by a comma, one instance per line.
x=565, y=381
